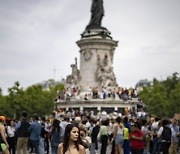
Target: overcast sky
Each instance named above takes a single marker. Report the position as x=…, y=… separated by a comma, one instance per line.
x=38, y=35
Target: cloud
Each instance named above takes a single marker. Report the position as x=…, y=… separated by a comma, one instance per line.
x=36, y=36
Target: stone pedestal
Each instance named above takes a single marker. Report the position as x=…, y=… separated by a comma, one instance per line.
x=98, y=105
x=96, y=59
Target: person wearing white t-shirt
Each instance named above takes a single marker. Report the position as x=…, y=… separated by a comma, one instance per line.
x=154, y=130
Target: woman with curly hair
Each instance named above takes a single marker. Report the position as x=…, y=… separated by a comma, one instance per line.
x=71, y=142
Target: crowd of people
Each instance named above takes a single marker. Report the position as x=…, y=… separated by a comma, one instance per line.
x=97, y=93
x=80, y=132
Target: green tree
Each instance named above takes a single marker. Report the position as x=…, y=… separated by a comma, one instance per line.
x=2, y=105
x=174, y=99
x=33, y=100
x=14, y=100
x=163, y=98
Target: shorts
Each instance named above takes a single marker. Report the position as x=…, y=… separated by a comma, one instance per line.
x=119, y=139
x=2, y=147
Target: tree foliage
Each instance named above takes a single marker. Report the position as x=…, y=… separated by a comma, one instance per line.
x=163, y=97
x=34, y=99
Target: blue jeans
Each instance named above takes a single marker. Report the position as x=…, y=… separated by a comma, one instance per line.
x=155, y=145
x=54, y=150
x=126, y=147
x=35, y=144
x=93, y=148
x=41, y=146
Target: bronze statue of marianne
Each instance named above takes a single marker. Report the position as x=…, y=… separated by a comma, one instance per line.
x=97, y=13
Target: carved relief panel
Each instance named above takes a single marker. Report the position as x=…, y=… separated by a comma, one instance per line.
x=87, y=54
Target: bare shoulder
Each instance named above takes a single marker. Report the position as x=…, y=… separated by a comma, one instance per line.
x=81, y=149
x=60, y=149
x=2, y=128
x=60, y=145
x=115, y=125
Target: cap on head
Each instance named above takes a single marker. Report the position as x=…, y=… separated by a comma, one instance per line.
x=2, y=118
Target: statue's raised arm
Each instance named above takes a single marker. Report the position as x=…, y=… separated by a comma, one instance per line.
x=97, y=13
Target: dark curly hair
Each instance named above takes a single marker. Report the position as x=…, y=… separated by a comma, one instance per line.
x=68, y=129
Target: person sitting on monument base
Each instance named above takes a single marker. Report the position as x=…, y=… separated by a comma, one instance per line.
x=85, y=97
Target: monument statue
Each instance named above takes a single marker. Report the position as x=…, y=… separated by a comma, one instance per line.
x=97, y=13
x=93, y=86
x=104, y=73
x=75, y=76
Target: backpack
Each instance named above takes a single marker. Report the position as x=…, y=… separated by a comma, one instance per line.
x=166, y=133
